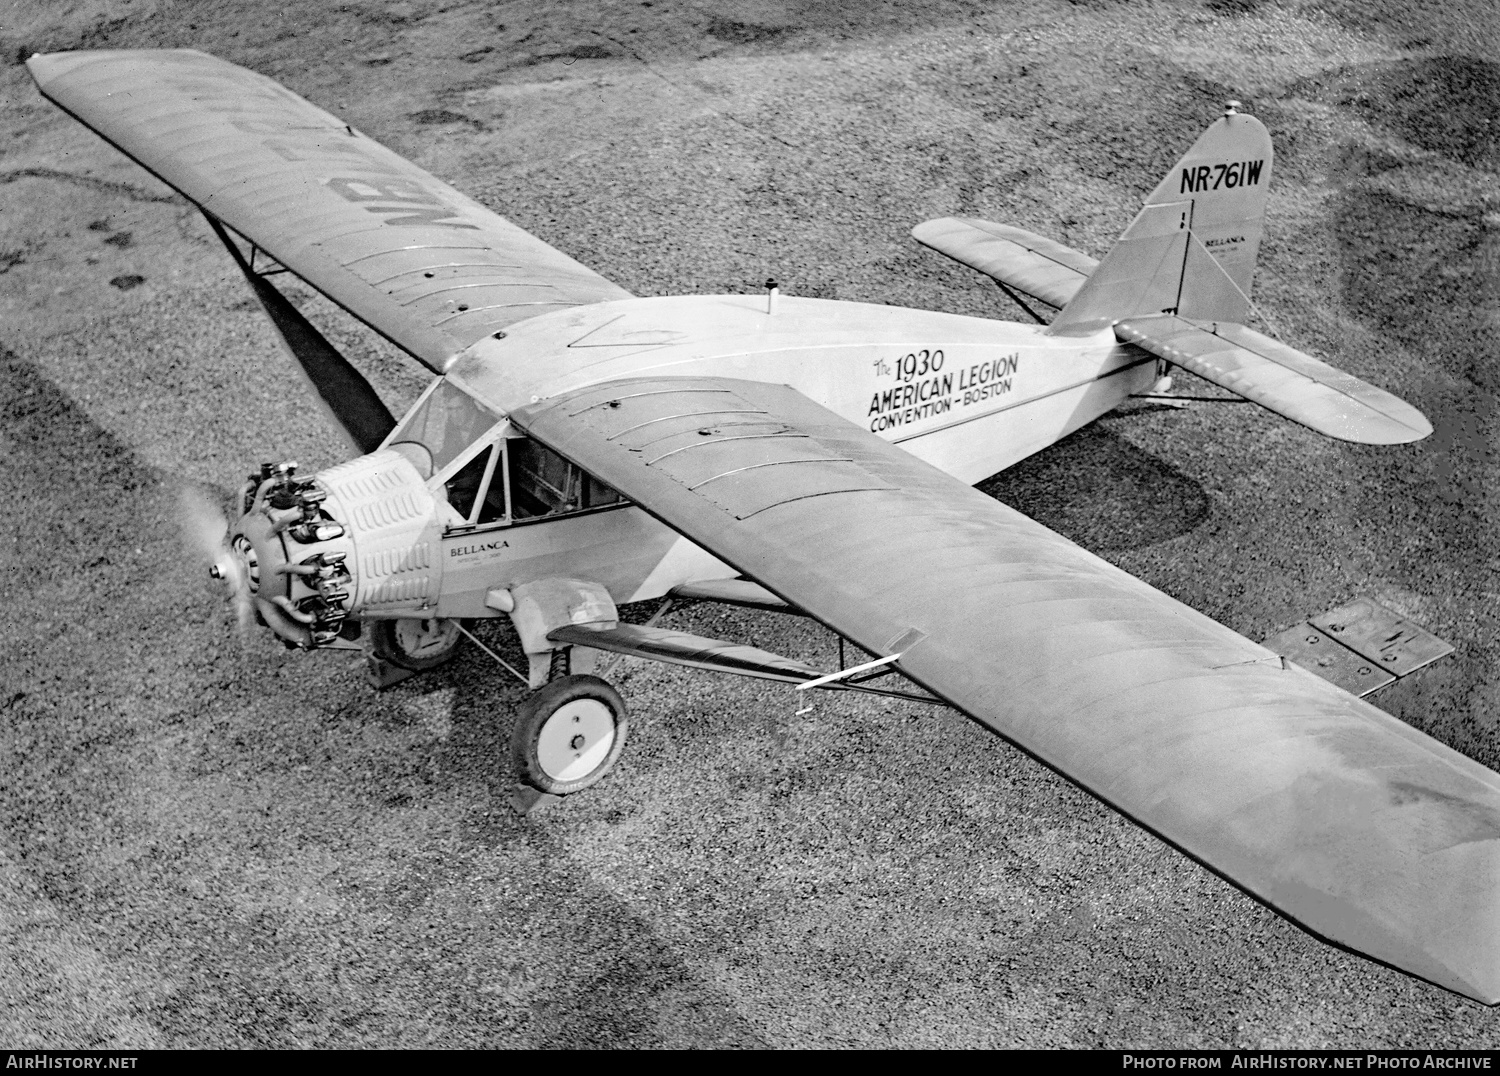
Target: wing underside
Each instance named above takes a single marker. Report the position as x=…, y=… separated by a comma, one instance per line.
x=1356, y=825
x=420, y=262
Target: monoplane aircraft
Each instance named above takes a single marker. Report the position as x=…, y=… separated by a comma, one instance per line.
x=583, y=448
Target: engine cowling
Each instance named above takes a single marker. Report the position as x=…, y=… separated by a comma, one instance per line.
x=359, y=540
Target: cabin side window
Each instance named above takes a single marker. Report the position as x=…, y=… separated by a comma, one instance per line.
x=518, y=480
x=542, y=483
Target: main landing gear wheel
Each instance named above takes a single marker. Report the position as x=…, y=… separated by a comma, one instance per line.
x=568, y=734
x=416, y=645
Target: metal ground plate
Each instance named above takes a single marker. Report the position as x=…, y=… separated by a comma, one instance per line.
x=1374, y=632
x=1318, y=653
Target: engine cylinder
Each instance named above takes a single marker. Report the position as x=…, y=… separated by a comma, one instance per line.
x=360, y=539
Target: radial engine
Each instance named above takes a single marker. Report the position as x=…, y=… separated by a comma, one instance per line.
x=356, y=541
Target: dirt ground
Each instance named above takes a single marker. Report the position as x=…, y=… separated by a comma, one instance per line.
x=207, y=841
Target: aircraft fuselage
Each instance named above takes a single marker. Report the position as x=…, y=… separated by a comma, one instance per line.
x=969, y=395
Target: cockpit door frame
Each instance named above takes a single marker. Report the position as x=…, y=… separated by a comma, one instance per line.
x=495, y=437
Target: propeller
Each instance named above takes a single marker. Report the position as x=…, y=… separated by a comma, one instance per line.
x=205, y=528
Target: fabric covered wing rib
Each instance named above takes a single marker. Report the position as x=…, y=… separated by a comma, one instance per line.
x=421, y=263
x=1356, y=825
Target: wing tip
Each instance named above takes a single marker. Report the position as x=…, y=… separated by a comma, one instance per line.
x=933, y=229
x=1397, y=423
x=45, y=66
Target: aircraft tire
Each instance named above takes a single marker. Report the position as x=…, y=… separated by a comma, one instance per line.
x=417, y=645
x=569, y=734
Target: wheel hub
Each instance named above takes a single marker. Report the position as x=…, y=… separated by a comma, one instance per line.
x=424, y=638
x=576, y=740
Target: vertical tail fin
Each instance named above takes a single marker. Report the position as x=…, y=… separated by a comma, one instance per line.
x=1191, y=249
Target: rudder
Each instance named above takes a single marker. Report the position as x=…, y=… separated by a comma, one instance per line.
x=1191, y=250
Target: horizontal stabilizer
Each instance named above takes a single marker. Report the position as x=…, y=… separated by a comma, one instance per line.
x=1279, y=378
x=680, y=648
x=1016, y=258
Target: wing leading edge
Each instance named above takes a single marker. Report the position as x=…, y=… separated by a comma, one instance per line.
x=1361, y=828
x=415, y=259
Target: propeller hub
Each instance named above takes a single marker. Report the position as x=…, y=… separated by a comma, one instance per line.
x=247, y=560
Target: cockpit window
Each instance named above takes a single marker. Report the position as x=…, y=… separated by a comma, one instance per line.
x=596, y=494
x=463, y=487
x=446, y=423
x=517, y=479
x=542, y=483
x=493, y=508
x=480, y=484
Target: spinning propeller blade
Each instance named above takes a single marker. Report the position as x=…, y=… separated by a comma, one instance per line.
x=204, y=529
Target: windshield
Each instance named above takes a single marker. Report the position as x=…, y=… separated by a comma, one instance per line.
x=445, y=423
